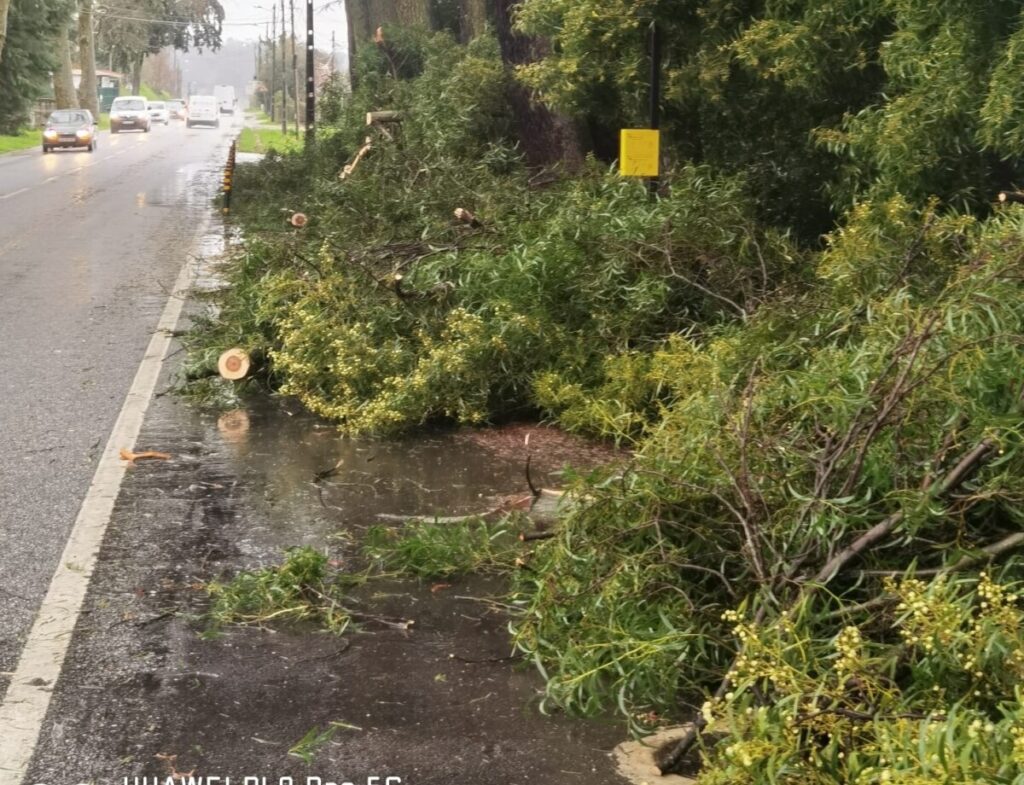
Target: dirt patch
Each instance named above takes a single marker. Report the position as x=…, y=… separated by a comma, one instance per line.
x=637, y=760
x=551, y=449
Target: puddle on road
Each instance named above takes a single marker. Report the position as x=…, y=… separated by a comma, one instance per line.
x=438, y=701
x=275, y=450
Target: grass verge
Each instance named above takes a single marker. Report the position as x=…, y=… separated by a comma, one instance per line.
x=262, y=140
x=22, y=141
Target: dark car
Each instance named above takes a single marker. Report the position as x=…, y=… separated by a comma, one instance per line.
x=70, y=128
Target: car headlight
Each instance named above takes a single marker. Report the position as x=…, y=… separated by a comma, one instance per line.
x=49, y=133
x=83, y=133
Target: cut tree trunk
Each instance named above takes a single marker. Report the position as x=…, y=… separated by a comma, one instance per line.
x=386, y=116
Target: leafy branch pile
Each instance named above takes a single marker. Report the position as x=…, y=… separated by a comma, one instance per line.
x=827, y=437
x=863, y=430
x=300, y=589
x=428, y=549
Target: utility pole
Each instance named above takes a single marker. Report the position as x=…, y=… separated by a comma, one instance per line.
x=273, y=64
x=295, y=66
x=87, y=55
x=284, y=74
x=310, y=78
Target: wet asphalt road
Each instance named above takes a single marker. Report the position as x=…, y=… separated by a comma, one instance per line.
x=90, y=245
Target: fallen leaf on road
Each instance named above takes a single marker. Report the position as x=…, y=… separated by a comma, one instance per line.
x=169, y=762
x=440, y=587
x=132, y=457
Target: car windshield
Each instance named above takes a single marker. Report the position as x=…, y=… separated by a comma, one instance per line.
x=157, y=105
x=136, y=104
x=67, y=118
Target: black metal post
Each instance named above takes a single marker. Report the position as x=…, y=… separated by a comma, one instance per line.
x=284, y=74
x=295, y=67
x=310, y=77
x=273, y=64
x=655, y=96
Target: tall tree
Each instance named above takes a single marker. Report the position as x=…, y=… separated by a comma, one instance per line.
x=63, y=81
x=87, y=88
x=819, y=103
x=29, y=57
x=136, y=28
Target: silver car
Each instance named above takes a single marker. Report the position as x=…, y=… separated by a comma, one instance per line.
x=129, y=111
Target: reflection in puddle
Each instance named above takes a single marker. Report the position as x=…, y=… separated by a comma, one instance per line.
x=275, y=452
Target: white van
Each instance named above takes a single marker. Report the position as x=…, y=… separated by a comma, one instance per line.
x=225, y=98
x=203, y=110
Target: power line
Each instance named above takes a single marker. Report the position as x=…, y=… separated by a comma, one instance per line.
x=107, y=13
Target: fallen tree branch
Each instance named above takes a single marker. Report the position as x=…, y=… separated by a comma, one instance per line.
x=529, y=481
x=532, y=536
x=958, y=475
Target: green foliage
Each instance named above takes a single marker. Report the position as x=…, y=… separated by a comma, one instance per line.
x=308, y=747
x=28, y=57
x=150, y=94
x=300, y=589
x=933, y=696
x=808, y=99
x=784, y=438
x=553, y=282
x=440, y=549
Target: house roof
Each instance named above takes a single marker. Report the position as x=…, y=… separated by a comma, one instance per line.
x=99, y=72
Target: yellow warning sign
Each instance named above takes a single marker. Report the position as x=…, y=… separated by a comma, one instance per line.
x=639, y=152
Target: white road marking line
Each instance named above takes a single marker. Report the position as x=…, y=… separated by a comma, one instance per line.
x=14, y=193
x=28, y=697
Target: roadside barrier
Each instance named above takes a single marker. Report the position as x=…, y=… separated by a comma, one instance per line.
x=229, y=176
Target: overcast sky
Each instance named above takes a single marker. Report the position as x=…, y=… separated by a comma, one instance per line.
x=247, y=21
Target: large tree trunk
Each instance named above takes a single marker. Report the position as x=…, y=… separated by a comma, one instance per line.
x=63, y=82
x=137, y=62
x=87, y=55
x=473, y=18
x=410, y=13
x=546, y=137
x=5, y=7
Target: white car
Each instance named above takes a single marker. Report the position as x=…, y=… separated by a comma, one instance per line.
x=158, y=112
x=129, y=111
